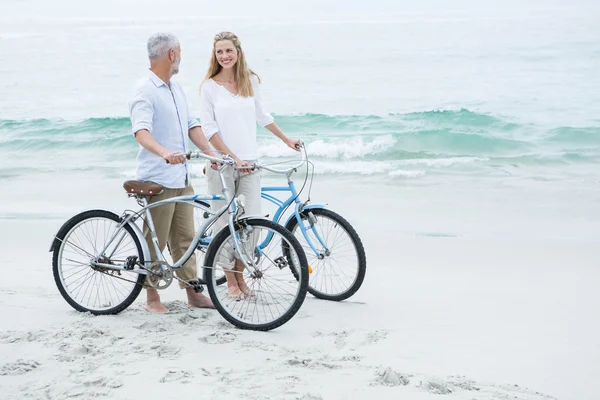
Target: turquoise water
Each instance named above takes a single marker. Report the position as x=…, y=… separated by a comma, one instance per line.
x=397, y=146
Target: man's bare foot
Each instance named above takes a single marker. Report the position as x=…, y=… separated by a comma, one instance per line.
x=153, y=303
x=198, y=300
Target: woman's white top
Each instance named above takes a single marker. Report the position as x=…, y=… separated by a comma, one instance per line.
x=233, y=117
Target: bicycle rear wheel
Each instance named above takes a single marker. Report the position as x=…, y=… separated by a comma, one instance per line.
x=276, y=294
x=95, y=289
x=339, y=264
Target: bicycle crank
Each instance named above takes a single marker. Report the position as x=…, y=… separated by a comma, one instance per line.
x=160, y=275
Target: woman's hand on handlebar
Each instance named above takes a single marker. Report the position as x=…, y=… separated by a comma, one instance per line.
x=243, y=166
x=213, y=164
x=294, y=144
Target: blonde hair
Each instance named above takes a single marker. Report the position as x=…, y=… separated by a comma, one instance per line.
x=241, y=73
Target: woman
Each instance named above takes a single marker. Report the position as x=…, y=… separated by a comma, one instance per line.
x=230, y=107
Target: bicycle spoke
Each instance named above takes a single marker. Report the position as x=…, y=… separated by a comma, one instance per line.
x=97, y=288
x=273, y=290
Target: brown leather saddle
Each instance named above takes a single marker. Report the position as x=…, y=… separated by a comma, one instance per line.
x=143, y=188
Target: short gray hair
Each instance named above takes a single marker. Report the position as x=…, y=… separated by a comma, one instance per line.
x=160, y=43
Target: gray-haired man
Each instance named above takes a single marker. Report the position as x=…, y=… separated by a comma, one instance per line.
x=162, y=123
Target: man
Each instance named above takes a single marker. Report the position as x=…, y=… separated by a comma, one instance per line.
x=162, y=123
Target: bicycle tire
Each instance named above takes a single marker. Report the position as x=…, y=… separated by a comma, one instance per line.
x=357, y=282
x=61, y=240
x=211, y=261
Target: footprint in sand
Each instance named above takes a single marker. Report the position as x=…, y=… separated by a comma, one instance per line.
x=353, y=358
x=166, y=350
x=309, y=363
x=154, y=326
x=69, y=352
x=463, y=383
x=340, y=337
x=436, y=387
x=505, y=391
x=376, y=336
x=19, y=367
x=224, y=325
x=457, y=384
x=309, y=396
x=93, y=333
x=79, y=388
x=259, y=346
x=177, y=307
x=219, y=338
x=102, y=382
x=16, y=336
x=389, y=377
x=177, y=375
x=191, y=319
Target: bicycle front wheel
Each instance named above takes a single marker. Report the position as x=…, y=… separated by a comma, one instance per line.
x=338, y=261
x=90, y=288
x=274, y=294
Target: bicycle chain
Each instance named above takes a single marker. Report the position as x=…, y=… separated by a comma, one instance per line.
x=143, y=284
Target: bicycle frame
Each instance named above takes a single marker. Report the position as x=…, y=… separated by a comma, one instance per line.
x=298, y=208
x=282, y=206
x=190, y=200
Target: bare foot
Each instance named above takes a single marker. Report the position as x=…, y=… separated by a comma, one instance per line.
x=232, y=285
x=198, y=300
x=234, y=292
x=243, y=287
x=153, y=303
x=241, y=283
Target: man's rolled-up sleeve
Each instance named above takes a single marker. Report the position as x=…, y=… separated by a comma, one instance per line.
x=141, y=111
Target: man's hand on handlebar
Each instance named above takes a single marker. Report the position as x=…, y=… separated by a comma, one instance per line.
x=172, y=157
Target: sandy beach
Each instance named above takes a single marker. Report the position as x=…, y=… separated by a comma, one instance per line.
x=460, y=139
x=456, y=315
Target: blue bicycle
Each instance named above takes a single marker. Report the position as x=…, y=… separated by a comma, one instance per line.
x=335, y=253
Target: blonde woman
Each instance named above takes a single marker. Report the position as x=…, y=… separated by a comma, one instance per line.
x=230, y=107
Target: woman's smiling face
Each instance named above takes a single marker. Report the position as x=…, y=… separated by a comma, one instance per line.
x=226, y=53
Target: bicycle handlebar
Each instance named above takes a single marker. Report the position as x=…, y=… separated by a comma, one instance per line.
x=198, y=154
x=230, y=161
x=287, y=170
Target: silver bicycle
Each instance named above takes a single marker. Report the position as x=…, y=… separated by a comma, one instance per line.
x=101, y=260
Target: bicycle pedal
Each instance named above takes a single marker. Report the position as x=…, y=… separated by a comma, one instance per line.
x=130, y=262
x=197, y=286
x=281, y=262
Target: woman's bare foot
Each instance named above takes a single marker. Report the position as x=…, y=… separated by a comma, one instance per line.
x=241, y=283
x=232, y=285
x=153, y=303
x=243, y=287
x=198, y=300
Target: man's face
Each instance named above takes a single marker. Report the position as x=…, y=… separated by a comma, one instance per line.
x=175, y=60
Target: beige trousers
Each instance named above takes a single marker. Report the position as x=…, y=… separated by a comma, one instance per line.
x=174, y=222
x=248, y=186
